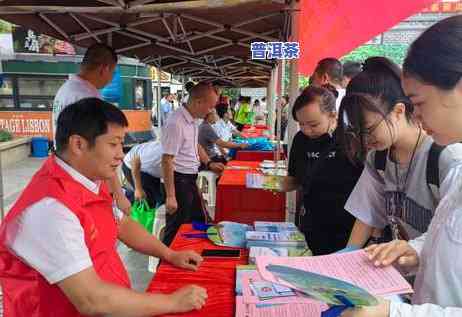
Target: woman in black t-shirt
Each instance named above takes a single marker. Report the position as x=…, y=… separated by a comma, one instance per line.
x=324, y=173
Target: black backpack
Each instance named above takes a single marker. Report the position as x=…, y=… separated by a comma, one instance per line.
x=432, y=169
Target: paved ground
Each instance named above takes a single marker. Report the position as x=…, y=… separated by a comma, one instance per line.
x=16, y=177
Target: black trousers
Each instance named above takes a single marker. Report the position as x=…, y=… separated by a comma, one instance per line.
x=239, y=126
x=152, y=186
x=189, y=205
x=327, y=227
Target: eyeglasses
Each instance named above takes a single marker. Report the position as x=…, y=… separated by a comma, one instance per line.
x=366, y=132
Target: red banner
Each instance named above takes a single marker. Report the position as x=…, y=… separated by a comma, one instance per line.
x=332, y=28
x=444, y=7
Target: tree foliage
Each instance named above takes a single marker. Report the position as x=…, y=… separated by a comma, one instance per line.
x=5, y=27
x=395, y=52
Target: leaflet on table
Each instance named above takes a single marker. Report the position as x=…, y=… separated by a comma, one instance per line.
x=230, y=234
x=270, y=164
x=277, y=251
x=259, y=181
x=275, y=239
x=273, y=171
x=241, y=270
x=274, y=226
x=255, y=290
x=354, y=277
x=283, y=310
x=237, y=167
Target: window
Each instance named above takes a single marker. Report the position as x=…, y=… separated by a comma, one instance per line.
x=140, y=94
x=6, y=102
x=6, y=94
x=38, y=92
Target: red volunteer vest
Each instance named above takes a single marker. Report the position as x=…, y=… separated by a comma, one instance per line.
x=26, y=293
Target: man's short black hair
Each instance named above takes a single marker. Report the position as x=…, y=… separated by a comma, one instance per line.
x=351, y=69
x=189, y=85
x=332, y=67
x=222, y=109
x=97, y=55
x=88, y=118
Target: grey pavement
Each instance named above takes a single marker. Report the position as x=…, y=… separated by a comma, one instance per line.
x=15, y=179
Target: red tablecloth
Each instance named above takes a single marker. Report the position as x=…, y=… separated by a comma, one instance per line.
x=254, y=132
x=235, y=202
x=243, y=155
x=217, y=276
x=257, y=126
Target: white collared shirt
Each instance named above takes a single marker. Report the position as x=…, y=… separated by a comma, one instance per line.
x=439, y=282
x=150, y=154
x=224, y=129
x=74, y=89
x=50, y=237
x=180, y=139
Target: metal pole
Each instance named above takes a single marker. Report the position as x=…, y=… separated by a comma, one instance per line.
x=279, y=135
x=292, y=126
x=269, y=103
x=2, y=207
x=159, y=110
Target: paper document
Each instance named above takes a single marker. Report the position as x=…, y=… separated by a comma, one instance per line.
x=283, y=310
x=256, y=291
x=259, y=181
x=352, y=267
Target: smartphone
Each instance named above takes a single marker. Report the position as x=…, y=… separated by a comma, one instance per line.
x=221, y=253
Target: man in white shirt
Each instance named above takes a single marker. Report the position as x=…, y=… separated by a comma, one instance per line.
x=57, y=243
x=188, y=86
x=165, y=108
x=142, y=168
x=330, y=71
x=96, y=71
x=350, y=70
x=182, y=156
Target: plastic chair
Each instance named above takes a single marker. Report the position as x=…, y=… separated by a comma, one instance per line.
x=158, y=228
x=207, y=183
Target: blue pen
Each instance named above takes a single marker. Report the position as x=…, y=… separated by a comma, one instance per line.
x=337, y=310
x=197, y=235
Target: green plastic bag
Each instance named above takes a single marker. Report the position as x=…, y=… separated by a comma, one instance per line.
x=143, y=214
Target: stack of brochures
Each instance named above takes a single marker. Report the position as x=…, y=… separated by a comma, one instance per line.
x=277, y=251
x=276, y=239
x=258, y=297
x=242, y=270
x=284, y=239
x=271, y=226
x=259, y=181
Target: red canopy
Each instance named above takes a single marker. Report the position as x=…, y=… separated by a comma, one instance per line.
x=332, y=28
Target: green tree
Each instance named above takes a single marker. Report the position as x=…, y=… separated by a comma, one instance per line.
x=232, y=93
x=395, y=52
x=5, y=27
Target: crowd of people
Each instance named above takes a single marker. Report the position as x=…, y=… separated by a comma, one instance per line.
x=376, y=162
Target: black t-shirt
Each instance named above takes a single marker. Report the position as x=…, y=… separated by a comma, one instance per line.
x=327, y=224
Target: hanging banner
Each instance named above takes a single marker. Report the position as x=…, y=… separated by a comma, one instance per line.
x=28, y=41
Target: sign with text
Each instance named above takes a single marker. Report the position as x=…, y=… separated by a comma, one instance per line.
x=39, y=123
x=275, y=50
x=28, y=41
x=27, y=123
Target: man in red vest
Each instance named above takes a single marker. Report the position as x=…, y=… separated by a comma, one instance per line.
x=58, y=243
